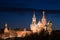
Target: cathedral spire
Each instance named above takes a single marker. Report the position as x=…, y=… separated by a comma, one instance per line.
x=34, y=15
x=43, y=14
x=5, y=25
x=6, y=28
x=43, y=19
x=34, y=19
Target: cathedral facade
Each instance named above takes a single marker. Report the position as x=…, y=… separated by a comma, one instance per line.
x=41, y=25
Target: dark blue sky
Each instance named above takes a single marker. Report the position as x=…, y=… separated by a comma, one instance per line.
x=11, y=11
x=37, y=4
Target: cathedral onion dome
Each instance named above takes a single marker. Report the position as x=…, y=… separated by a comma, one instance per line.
x=49, y=22
x=39, y=23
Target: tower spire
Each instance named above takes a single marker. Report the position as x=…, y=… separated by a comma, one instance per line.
x=34, y=15
x=34, y=18
x=5, y=25
x=43, y=14
x=43, y=19
x=6, y=28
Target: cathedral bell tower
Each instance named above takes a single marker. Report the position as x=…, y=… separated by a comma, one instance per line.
x=33, y=24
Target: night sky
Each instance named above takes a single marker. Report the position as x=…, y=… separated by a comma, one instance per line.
x=18, y=13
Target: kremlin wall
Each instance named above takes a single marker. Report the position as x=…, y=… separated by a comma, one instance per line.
x=34, y=28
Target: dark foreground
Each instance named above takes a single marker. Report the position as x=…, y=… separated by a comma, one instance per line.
x=42, y=36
